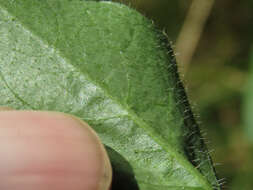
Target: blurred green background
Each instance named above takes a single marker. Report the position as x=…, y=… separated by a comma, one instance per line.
x=212, y=40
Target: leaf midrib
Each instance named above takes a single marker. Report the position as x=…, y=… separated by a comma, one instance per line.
x=133, y=116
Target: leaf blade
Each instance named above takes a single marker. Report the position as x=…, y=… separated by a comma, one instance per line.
x=65, y=65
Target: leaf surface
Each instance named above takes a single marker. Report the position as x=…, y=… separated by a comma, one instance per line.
x=108, y=65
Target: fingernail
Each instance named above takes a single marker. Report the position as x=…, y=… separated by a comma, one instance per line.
x=53, y=151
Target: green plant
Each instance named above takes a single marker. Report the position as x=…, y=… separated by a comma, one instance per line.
x=108, y=65
x=248, y=104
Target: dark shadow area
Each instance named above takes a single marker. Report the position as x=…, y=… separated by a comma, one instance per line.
x=123, y=175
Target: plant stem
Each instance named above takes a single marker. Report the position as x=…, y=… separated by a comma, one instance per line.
x=191, y=31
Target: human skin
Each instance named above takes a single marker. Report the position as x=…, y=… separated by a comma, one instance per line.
x=50, y=151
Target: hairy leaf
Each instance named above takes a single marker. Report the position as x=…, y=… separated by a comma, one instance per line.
x=108, y=65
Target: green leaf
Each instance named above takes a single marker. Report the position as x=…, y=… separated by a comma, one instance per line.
x=248, y=103
x=108, y=65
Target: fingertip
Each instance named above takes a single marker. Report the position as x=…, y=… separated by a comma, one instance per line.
x=106, y=174
x=51, y=150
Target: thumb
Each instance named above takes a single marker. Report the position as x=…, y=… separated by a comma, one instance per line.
x=50, y=151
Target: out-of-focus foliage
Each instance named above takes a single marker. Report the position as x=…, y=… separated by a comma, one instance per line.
x=216, y=79
x=248, y=104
